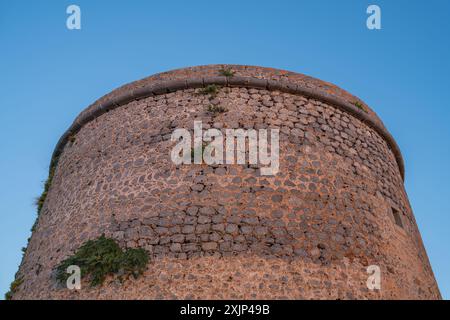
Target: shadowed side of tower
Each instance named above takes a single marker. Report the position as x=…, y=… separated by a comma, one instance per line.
x=336, y=206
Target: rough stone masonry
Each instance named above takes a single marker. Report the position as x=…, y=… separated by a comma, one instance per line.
x=336, y=206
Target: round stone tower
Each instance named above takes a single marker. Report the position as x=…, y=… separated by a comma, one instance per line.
x=334, y=214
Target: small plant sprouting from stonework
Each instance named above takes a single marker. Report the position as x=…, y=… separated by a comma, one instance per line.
x=210, y=89
x=359, y=105
x=102, y=257
x=226, y=72
x=40, y=201
x=215, y=109
x=13, y=288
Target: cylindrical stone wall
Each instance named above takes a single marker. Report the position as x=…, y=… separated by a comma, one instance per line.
x=336, y=206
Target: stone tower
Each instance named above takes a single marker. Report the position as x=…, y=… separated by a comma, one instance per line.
x=336, y=206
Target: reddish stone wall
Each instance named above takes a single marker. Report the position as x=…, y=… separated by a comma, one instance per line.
x=225, y=231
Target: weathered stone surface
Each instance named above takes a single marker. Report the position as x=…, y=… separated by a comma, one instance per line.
x=308, y=232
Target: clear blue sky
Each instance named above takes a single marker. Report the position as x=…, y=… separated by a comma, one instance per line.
x=49, y=74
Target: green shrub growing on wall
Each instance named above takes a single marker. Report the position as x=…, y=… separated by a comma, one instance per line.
x=210, y=89
x=13, y=288
x=102, y=257
x=40, y=201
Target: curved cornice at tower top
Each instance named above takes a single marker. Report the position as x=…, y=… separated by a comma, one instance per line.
x=244, y=76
